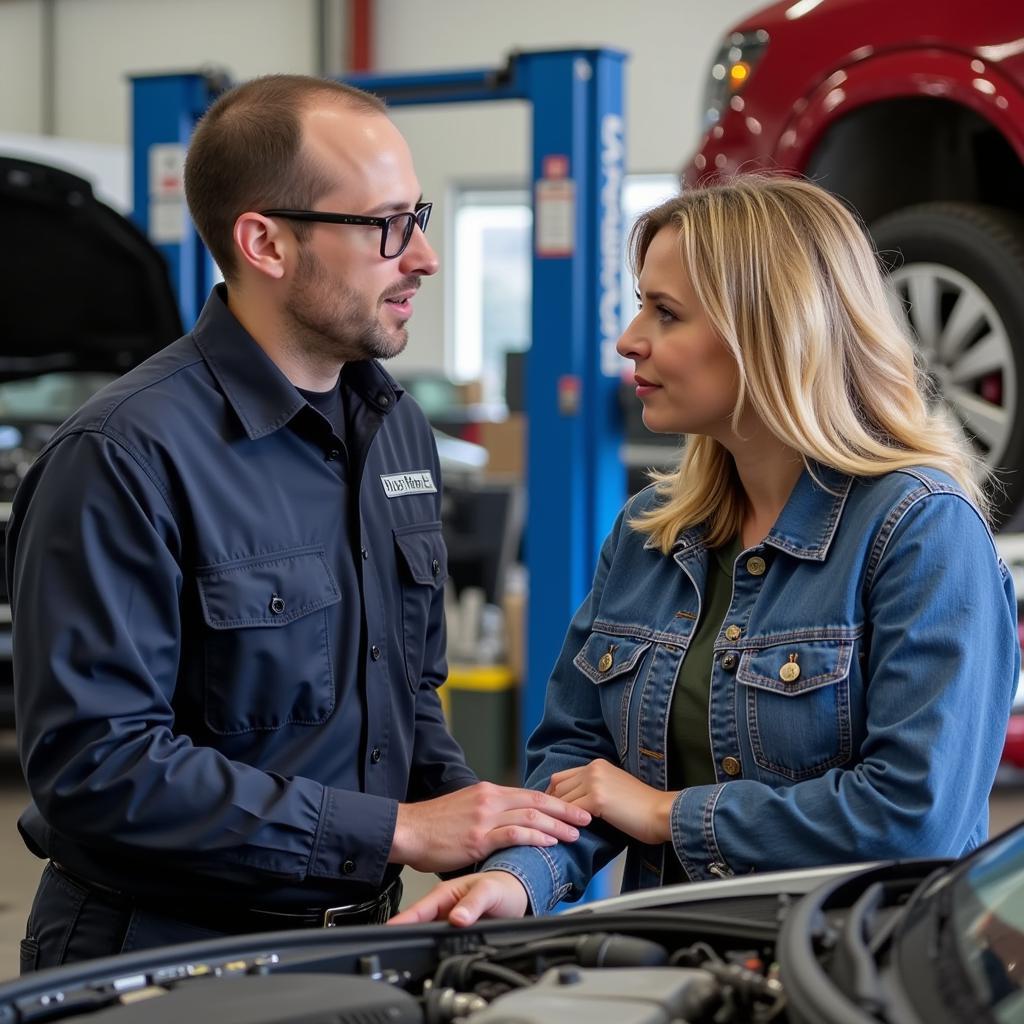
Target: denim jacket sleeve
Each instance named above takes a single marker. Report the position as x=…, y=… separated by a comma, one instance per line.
x=572, y=732
x=941, y=668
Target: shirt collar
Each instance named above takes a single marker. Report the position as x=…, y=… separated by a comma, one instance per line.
x=805, y=527
x=808, y=522
x=261, y=395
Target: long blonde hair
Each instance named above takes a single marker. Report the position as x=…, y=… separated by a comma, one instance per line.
x=791, y=284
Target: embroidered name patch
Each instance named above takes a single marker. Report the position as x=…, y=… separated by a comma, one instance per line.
x=416, y=481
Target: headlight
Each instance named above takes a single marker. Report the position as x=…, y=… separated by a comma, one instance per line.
x=730, y=72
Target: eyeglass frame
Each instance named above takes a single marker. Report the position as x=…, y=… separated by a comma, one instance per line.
x=420, y=217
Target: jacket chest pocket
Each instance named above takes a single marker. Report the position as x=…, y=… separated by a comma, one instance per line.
x=267, y=650
x=423, y=565
x=797, y=702
x=614, y=664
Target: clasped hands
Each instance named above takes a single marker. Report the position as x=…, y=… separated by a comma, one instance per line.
x=598, y=789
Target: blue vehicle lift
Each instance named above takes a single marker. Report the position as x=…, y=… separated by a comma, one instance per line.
x=575, y=476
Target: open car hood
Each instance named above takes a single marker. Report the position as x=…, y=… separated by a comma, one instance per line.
x=83, y=288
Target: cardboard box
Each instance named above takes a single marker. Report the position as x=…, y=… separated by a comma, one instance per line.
x=505, y=442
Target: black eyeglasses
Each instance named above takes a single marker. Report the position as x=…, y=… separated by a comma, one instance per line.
x=395, y=231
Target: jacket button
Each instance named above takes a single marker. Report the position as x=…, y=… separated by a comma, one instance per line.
x=364, y=553
x=333, y=454
x=733, y=633
x=348, y=867
x=277, y=604
x=730, y=766
x=435, y=567
x=756, y=566
x=605, y=662
x=375, y=755
x=729, y=661
x=375, y=652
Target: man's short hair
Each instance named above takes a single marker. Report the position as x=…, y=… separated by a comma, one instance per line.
x=246, y=154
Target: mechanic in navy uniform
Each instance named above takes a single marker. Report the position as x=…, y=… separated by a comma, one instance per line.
x=227, y=569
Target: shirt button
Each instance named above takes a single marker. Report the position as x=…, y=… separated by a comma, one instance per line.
x=730, y=766
x=435, y=567
x=348, y=867
x=733, y=633
x=375, y=755
x=375, y=652
x=277, y=604
x=729, y=661
x=756, y=566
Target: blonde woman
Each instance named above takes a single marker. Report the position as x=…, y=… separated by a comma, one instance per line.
x=800, y=648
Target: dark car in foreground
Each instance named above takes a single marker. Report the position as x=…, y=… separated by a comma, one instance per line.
x=912, y=942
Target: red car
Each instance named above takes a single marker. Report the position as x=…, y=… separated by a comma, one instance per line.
x=913, y=111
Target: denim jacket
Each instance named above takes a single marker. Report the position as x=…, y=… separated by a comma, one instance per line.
x=889, y=596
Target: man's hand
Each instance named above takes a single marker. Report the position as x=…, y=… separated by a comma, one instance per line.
x=465, y=900
x=617, y=797
x=468, y=825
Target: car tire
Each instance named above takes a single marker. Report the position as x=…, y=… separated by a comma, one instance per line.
x=959, y=270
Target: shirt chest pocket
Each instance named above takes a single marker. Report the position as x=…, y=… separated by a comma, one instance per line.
x=797, y=702
x=423, y=561
x=614, y=663
x=267, y=659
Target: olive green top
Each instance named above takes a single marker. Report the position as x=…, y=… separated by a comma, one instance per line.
x=689, y=746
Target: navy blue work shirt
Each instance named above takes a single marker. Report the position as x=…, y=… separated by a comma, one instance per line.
x=228, y=628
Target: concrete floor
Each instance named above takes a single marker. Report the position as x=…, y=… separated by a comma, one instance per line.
x=19, y=870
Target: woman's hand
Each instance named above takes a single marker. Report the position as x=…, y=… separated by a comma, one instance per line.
x=617, y=797
x=464, y=900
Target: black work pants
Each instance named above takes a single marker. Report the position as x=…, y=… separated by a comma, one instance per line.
x=69, y=922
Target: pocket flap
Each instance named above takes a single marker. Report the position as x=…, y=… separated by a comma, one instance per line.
x=423, y=552
x=269, y=591
x=605, y=657
x=820, y=663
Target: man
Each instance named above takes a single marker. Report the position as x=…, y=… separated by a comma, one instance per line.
x=226, y=575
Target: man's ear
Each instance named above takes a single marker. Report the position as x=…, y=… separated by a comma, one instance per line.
x=262, y=244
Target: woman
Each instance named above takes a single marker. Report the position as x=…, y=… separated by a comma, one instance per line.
x=800, y=648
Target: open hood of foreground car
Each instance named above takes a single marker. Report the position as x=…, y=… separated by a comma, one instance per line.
x=83, y=288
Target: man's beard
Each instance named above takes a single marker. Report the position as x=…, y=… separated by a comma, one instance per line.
x=329, y=321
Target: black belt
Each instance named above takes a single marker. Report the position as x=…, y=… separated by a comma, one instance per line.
x=241, y=920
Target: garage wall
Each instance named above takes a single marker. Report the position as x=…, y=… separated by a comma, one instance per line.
x=96, y=43
x=21, y=40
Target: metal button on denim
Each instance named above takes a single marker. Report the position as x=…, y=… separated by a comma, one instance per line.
x=756, y=566
x=348, y=867
x=277, y=604
x=435, y=567
x=375, y=652
x=729, y=661
x=333, y=454
x=731, y=766
x=733, y=633
x=375, y=755
x=605, y=662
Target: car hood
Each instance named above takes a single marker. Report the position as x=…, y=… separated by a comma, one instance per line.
x=83, y=288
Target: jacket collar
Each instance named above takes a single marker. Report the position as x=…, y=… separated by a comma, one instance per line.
x=805, y=527
x=261, y=395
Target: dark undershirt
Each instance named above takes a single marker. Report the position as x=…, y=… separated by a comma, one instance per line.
x=689, y=745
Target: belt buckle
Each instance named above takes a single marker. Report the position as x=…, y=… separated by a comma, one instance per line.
x=331, y=914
